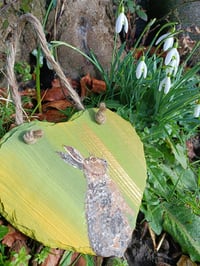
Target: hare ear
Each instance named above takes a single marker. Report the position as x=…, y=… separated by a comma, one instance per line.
x=73, y=157
x=74, y=153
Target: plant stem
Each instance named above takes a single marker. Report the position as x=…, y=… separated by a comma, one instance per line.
x=38, y=89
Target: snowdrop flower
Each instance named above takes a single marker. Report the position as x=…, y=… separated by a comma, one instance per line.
x=168, y=43
x=120, y=22
x=141, y=69
x=165, y=84
x=173, y=54
x=197, y=110
x=172, y=68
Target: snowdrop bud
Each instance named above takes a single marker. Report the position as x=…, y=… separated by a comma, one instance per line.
x=161, y=38
x=165, y=84
x=141, y=69
x=197, y=111
x=173, y=54
x=120, y=22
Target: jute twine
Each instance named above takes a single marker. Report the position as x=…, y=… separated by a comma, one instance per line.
x=67, y=88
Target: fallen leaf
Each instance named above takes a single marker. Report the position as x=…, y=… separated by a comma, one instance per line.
x=186, y=45
x=85, y=85
x=78, y=260
x=59, y=105
x=53, y=94
x=3, y=92
x=12, y=236
x=91, y=84
x=98, y=86
x=53, y=257
x=55, y=83
x=52, y=115
x=185, y=261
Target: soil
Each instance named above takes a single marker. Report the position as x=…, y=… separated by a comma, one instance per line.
x=141, y=251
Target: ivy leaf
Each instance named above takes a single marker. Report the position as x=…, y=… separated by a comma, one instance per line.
x=183, y=225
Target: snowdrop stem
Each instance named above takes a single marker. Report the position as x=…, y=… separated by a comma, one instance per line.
x=59, y=43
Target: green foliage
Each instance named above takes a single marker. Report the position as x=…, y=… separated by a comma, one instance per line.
x=18, y=259
x=22, y=70
x=40, y=257
x=6, y=110
x=183, y=224
x=3, y=231
x=25, y=5
x=118, y=262
x=132, y=7
x=21, y=258
x=89, y=260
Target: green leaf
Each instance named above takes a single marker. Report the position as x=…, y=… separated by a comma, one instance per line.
x=153, y=212
x=44, y=197
x=142, y=14
x=3, y=231
x=183, y=225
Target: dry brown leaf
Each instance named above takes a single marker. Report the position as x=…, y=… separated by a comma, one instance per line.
x=98, y=86
x=52, y=115
x=91, y=84
x=53, y=94
x=186, y=45
x=185, y=261
x=53, y=257
x=85, y=85
x=59, y=105
x=78, y=260
x=12, y=236
x=55, y=83
x=3, y=92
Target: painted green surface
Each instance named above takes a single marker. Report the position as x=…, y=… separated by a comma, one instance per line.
x=44, y=197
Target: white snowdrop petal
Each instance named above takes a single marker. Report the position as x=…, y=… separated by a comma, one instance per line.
x=177, y=55
x=197, y=111
x=125, y=24
x=139, y=70
x=168, y=43
x=169, y=70
x=162, y=37
x=161, y=85
x=167, y=85
x=172, y=68
x=168, y=57
x=145, y=71
x=175, y=70
x=119, y=23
